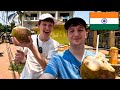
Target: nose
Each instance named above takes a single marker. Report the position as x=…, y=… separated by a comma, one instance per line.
x=47, y=28
x=76, y=33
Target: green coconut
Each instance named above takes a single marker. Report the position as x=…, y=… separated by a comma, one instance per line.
x=96, y=68
x=21, y=34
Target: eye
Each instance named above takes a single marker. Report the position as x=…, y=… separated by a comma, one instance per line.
x=71, y=30
x=80, y=30
x=50, y=25
x=44, y=24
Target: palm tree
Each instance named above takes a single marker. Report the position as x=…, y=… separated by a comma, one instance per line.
x=19, y=15
x=5, y=16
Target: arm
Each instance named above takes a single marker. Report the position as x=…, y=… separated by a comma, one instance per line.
x=47, y=76
x=52, y=69
x=43, y=62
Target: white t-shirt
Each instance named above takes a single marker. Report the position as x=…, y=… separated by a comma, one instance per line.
x=32, y=69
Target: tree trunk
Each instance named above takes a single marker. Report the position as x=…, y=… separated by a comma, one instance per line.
x=94, y=39
x=111, y=39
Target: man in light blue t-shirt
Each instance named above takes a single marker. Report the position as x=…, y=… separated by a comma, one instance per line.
x=66, y=65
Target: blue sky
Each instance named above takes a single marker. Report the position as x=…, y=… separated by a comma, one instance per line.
x=82, y=14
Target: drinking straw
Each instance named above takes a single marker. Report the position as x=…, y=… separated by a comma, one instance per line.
x=97, y=44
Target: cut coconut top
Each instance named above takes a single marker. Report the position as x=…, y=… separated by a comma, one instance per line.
x=96, y=63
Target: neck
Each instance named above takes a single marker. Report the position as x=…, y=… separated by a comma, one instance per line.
x=77, y=51
x=44, y=39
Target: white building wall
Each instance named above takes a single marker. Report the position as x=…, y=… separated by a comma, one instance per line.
x=27, y=23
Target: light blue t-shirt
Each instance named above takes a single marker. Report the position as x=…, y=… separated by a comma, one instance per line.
x=65, y=66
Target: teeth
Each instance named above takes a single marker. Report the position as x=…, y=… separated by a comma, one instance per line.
x=46, y=31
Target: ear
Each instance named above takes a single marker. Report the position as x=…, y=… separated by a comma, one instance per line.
x=86, y=35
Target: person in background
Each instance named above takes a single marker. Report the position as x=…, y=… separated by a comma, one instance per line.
x=45, y=46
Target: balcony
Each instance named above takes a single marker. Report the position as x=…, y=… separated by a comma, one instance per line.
x=31, y=18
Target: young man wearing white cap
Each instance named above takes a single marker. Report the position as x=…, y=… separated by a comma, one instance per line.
x=46, y=46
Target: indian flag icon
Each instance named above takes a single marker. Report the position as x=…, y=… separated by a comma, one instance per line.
x=104, y=20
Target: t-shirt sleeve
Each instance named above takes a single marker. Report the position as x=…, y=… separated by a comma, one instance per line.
x=52, y=67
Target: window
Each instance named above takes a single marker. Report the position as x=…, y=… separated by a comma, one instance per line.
x=65, y=16
x=27, y=17
x=33, y=16
x=53, y=14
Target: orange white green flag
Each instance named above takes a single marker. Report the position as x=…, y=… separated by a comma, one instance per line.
x=104, y=20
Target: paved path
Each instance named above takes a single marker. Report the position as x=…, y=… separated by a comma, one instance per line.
x=5, y=73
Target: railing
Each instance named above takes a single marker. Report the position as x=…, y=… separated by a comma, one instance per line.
x=11, y=58
x=31, y=18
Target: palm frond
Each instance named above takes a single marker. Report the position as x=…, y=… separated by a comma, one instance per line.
x=12, y=16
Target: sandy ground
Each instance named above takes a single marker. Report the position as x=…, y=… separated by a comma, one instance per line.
x=5, y=63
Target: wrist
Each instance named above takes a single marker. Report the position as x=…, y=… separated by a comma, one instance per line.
x=31, y=47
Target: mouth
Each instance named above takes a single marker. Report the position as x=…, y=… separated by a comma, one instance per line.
x=46, y=31
x=77, y=39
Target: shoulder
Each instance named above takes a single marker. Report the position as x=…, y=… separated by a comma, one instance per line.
x=54, y=43
x=58, y=56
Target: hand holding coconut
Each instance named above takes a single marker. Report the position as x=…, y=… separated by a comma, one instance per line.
x=96, y=67
x=21, y=36
x=24, y=44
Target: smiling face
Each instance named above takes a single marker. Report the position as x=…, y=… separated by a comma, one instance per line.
x=45, y=28
x=77, y=35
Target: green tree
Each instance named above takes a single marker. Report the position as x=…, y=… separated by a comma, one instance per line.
x=1, y=27
x=12, y=25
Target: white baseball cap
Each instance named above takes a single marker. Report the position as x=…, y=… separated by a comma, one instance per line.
x=46, y=15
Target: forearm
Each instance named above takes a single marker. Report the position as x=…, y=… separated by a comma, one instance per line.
x=47, y=76
x=42, y=61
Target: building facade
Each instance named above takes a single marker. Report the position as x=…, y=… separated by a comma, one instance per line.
x=31, y=18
